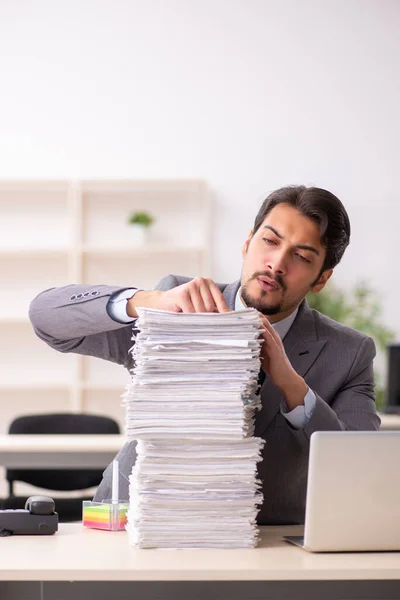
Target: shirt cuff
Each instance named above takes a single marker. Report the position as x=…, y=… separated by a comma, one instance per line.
x=116, y=306
x=299, y=416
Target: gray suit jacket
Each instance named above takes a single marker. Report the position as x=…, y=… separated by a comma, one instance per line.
x=335, y=361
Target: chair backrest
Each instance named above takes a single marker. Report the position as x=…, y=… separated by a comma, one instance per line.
x=53, y=423
x=60, y=423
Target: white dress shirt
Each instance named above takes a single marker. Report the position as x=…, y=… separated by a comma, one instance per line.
x=117, y=306
x=298, y=417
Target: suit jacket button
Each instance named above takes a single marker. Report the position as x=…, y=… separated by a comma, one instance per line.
x=79, y=296
x=95, y=293
x=73, y=297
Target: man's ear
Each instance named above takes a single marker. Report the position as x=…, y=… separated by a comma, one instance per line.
x=246, y=244
x=322, y=281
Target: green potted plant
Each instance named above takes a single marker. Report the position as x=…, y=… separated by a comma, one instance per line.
x=360, y=308
x=140, y=222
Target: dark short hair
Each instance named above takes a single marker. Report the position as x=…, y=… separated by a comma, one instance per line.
x=325, y=209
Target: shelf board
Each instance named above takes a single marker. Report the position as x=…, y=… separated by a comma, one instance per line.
x=34, y=185
x=103, y=387
x=34, y=386
x=105, y=186
x=13, y=320
x=117, y=249
x=33, y=251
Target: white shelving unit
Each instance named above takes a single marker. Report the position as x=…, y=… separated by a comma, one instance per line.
x=58, y=232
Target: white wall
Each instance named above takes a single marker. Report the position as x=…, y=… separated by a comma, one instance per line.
x=247, y=94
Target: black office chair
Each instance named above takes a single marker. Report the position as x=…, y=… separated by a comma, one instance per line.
x=69, y=509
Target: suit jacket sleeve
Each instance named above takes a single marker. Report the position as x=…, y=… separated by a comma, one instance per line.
x=82, y=325
x=353, y=407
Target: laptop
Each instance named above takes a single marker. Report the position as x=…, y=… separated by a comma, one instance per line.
x=353, y=492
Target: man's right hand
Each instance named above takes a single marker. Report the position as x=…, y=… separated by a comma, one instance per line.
x=198, y=295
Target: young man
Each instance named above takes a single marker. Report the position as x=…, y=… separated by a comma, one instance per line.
x=317, y=374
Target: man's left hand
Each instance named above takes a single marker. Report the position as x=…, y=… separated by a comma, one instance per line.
x=277, y=366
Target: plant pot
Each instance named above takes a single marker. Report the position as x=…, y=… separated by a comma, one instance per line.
x=140, y=234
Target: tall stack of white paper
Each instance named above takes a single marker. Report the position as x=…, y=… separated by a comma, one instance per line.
x=191, y=405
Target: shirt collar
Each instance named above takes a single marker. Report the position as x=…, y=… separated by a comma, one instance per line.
x=281, y=327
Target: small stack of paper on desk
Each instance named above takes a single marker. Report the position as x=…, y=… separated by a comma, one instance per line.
x=191, y=405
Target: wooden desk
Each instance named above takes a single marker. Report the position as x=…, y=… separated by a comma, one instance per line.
x=275, y=569
x=59, y=451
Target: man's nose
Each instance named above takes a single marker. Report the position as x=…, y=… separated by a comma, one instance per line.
x=277, y=263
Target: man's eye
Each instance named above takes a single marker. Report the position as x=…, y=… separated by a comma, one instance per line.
x=303, y=258
x=269, y=241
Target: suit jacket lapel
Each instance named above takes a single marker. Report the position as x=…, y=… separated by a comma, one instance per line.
x=230, y=292
x=302, y=347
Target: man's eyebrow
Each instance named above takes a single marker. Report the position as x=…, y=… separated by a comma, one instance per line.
x=274, y=230
x=300, y=246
